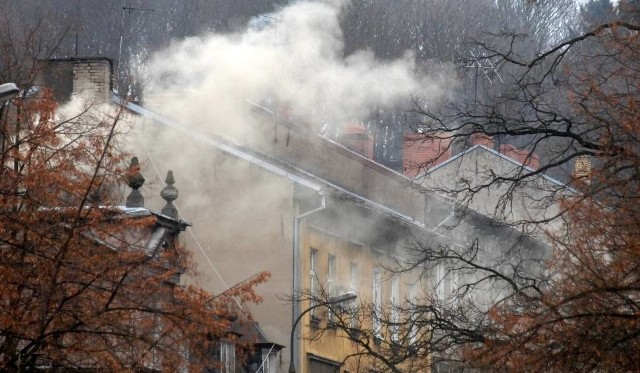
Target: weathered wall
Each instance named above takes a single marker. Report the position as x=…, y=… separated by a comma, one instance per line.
x=89, y=77
x=532, y=200
x=242, y=220
x=328, y=240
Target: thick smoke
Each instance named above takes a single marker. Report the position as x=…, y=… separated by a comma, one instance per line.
x=292, y=59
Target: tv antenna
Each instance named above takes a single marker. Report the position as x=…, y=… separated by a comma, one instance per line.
x=275, y=21
x=485, y=65
x=129, y=9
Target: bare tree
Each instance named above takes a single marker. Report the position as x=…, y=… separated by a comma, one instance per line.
x=563, y=301
x=87, y=284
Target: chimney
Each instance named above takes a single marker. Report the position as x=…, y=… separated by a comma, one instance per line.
x=482, y=139
x=521, y=155
x=420, y=150
x=91, y=77
x=582, y=168
x=355, y=137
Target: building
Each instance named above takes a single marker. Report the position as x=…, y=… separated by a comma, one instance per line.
x=469, y=178
x=309, y=210
x=89, y=78
x=316, y=213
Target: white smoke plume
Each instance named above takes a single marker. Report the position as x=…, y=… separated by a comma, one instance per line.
x=292, y=59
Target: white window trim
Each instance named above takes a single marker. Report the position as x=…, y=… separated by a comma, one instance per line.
x=413, y=299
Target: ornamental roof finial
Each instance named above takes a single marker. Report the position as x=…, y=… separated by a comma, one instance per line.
x=135, y=180
x=169, y=193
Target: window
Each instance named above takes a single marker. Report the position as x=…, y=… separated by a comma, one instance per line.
x=394, y=300
x=313, y=277
x=377, y=302
x=354, y=274
x=259, y=360
x=320, y=365
x=446, y=282
x=331, y=273
x=228, y=356
x=413, y=299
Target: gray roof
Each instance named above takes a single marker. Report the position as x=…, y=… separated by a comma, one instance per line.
x=500, y=157
x=276, y=166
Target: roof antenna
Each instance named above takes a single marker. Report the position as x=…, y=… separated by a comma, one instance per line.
x=130, y=9
x=485, y=65
x=275, y=98
x=478, y=64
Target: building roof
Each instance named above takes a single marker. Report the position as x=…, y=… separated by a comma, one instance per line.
x=499, y=157
x=320, y=185
x=282, y=168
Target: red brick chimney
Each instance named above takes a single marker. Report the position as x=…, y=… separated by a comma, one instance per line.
x=521, y=155
x=421, y=150
x=482, y=139
x=355, y=137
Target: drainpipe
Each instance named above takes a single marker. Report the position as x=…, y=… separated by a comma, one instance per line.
x=295, y=309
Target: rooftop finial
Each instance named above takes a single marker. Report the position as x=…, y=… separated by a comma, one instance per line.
x=169, y=193
x=135, y=180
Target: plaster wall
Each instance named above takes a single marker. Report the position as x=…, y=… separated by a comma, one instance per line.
x=242, y=224
x=532, y=200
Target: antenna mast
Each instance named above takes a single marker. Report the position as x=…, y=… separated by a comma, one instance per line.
x=130, y=9
x=485, y=65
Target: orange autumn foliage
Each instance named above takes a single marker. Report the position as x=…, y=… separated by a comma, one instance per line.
x=587, y=316
x=81, y=288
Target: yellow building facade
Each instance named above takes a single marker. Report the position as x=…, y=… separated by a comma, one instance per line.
x=343, y=256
